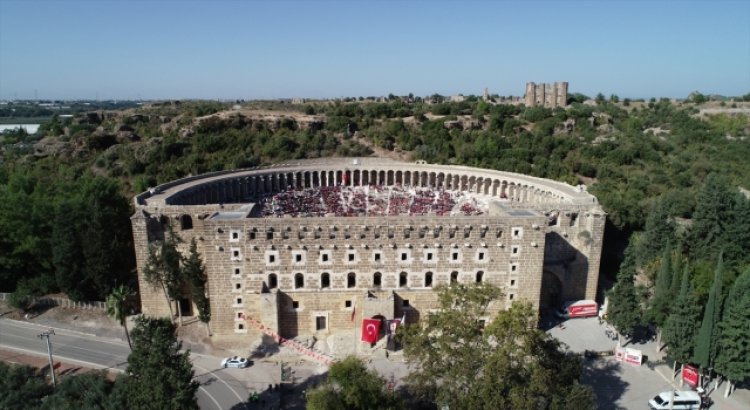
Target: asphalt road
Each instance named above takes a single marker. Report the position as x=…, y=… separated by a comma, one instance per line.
x=219, y=389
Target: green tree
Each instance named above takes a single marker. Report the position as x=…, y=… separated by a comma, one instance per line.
x=677, y=268
x=706, y=340
x=194, y=271
x=682, y=324
x=624, y=311
x=733, y=358
x=712, y=219
x=350, y=385
x=660, y=230
x=159, y=376
x=91, y=390
x=21, y=387
x=658, y=309
x=163, y=268
x=508, y=364
x=117, y=307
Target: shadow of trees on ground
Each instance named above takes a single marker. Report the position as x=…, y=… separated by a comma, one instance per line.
x=603, y=376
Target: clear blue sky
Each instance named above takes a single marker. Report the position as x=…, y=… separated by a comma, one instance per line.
x=310, y=48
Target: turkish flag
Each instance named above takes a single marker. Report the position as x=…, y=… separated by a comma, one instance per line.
x=370, y=330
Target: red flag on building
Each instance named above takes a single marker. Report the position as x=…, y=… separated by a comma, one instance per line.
x=370, y=330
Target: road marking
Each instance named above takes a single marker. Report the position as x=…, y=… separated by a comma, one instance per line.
x=218, y=406
x=244, y=404
x=64, y=331
x=63, y=358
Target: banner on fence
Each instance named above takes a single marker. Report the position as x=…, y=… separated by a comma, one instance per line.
x=690, y=375
x=628, y=355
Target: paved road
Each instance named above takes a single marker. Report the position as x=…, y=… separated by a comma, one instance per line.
x=219, y=388
x=622, y=386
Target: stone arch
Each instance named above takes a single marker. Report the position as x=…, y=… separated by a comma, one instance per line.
x=403, y=280
x=273, y=281
x=351, y=280
x=552, y=290
x=186, y=222
x=428, y=280
x=299, y=281
x=479, y=276
x=454, y=277
x=377, y=279
x=325, y=280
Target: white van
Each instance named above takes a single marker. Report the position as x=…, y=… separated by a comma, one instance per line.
x=683, y=400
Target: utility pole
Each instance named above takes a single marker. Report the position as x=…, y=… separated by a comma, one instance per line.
x=49, y=351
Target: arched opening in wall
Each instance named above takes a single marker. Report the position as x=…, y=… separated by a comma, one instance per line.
x=186, y=222
x=480, y=276
x=299, y=281
x=551, y=294
x=377, y=279
x=428, y=280
x=273, y=281
x=351, y=280
x=164, y=221
x=383, y=324
x=454, y=277
x=325, y=280
x=402, y=279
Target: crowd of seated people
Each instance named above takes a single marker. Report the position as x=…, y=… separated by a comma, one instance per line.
x=371, y=200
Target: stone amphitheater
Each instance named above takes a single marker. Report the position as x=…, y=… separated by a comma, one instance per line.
x=310, y=248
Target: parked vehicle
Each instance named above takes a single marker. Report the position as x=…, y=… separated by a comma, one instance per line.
x=580, y=308
x=239, y=362
x=676, y=400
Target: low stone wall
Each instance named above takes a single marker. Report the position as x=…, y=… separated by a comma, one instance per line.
x=62, y=302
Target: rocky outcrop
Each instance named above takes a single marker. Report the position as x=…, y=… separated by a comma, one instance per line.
x=52, y=146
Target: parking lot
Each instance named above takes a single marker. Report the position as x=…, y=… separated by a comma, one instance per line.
x=626, y=386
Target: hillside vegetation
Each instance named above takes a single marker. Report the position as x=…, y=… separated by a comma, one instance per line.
x=65, y=192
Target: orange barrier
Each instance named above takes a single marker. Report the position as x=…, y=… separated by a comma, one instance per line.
x=296, y=346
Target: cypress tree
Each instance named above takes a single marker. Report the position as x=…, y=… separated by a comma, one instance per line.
x=682, y=323
x=707, y=338
x=659, y=230
x=624, y=310
x=660, y=304
x=674, y=287
x=733, y=361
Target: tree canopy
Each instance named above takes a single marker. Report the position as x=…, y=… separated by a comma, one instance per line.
x=460, y=363
x=350, y=385
x=159, y=376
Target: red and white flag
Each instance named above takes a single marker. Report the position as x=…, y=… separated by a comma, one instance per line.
x=370, y=330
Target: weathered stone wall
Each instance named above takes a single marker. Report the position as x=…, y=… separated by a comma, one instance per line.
x=258, y=267
x=546, y=95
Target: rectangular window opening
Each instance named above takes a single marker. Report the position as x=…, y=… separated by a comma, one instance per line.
x=320, y=323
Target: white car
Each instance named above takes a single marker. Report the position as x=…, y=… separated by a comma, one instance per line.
x=676, y=400
x=239, y=362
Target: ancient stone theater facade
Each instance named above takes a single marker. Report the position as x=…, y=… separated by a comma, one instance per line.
x=312, y=247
